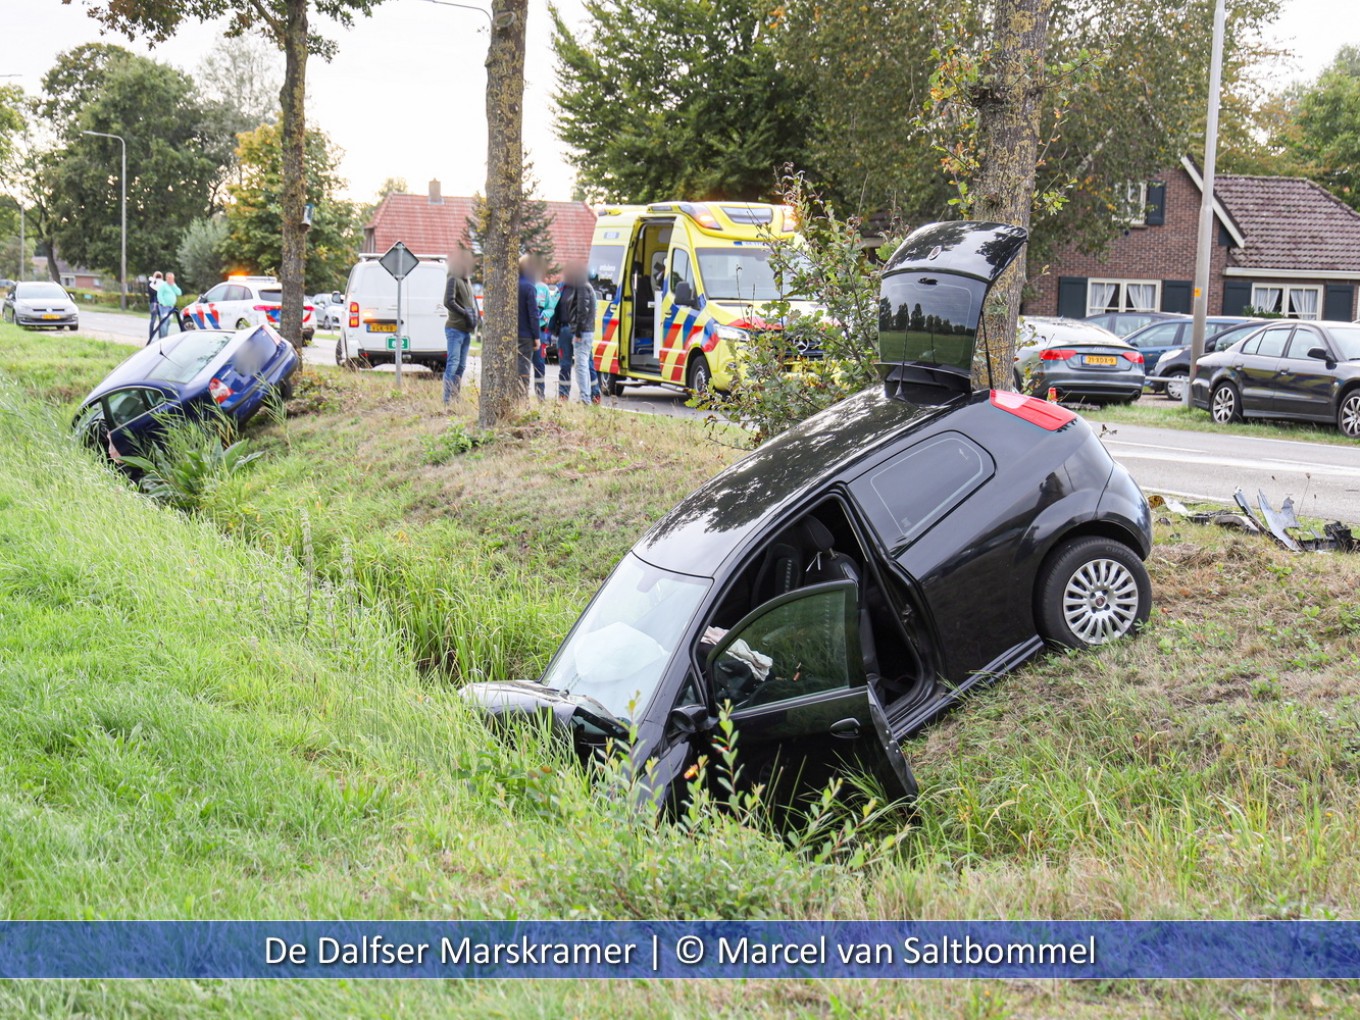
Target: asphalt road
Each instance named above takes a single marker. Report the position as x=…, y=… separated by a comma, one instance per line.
x=1323, y=479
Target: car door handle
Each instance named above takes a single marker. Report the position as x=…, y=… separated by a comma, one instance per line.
x=846, y=729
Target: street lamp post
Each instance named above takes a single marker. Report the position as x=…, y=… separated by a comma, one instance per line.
x=122, y=187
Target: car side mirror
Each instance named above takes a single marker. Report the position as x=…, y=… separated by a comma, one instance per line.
x=684, y=293
x=685, y=721
x=1319, y=354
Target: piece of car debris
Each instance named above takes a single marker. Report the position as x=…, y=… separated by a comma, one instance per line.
x=1278, y=524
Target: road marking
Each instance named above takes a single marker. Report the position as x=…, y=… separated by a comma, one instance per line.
x=1278, y=466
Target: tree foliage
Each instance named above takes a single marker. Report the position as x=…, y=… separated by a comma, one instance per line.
x=253, y=218
x=668, y=99
x=1327, y=115
x=244, y=75
x=175, y=155
x=203, y=253
x=534, y=233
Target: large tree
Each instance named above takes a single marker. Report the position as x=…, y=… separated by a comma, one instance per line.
x=175, y=154
x=255, y=227
x=1327, y=139
x=665, y=99
x=286, y=24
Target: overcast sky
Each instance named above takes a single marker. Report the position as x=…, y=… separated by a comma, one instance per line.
x=404, y=96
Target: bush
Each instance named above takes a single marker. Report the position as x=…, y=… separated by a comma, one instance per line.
x=192, y=459
x=202, y=252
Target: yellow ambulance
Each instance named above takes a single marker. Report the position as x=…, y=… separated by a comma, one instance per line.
x=680, y=286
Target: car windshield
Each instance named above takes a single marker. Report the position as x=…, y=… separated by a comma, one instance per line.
x=1347, y=341
x=617, y=653
x=29, y=291
x=187, y=358
x=739, y=274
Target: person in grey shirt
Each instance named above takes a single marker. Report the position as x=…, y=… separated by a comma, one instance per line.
x=461, y=322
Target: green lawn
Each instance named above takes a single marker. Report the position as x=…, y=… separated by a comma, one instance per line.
x=1155, y=410
x=253, y=712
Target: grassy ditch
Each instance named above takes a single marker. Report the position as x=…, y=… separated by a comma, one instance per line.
x=250, y=710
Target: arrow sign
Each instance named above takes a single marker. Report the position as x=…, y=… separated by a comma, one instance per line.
x=399, y=261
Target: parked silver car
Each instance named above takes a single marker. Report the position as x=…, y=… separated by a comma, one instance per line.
x=40, y=303
x=1078, y=359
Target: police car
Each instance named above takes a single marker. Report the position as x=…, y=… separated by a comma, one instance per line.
x=239, y=302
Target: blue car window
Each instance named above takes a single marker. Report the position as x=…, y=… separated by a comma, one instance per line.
x=125, y=405
x=918, y=487
x=186, y=359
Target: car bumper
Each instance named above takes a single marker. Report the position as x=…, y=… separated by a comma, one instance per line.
x=42, y=320
x=1086, y=383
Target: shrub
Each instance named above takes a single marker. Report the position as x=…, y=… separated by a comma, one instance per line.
x=191, y=459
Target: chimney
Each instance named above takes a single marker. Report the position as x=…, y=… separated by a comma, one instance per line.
x=436, y=197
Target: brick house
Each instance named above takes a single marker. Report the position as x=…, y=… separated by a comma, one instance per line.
x=1283, y=245
x=435, y=224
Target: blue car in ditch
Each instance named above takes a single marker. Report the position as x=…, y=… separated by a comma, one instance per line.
x=190, y=375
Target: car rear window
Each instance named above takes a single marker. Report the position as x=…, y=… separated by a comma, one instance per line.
x=271, y=294
x=907, y=495
x=188, y=357
x=944, y=334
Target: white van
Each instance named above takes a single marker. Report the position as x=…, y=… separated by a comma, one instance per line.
x=368, y=327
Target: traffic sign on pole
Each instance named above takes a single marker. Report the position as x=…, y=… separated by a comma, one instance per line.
x=399, y=263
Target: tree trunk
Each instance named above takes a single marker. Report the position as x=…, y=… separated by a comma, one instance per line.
x=501, y=387
x=1008, y=104
x=293, y=259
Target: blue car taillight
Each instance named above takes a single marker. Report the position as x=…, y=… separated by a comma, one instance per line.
x=220, y=391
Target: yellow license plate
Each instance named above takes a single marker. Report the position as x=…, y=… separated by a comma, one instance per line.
x=51, y=316
x=382, y=327
x=1101, y=359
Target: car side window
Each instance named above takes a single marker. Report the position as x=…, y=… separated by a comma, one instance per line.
x=1271, y=343
x=125, y=405
x=237, y=293
x=218, y=293
x=1304, y=340
x=1163, y=334
x=910, y=493
x=805, y=643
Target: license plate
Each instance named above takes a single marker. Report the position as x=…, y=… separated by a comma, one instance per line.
x=1101, y=359
x=392, y=343
x=51, y=316
x=382, y=327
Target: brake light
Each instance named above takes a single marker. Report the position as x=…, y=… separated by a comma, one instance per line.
x=220, y=391
x=1055, y=354
x=263, y=308
x=354, y=315
x=1135, y=356
x=1037, y=412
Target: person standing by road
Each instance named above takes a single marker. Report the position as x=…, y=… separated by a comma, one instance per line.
x=154, y=303
x=461, y=322
x=167, y=294
x=528, y=322
x=574, y=323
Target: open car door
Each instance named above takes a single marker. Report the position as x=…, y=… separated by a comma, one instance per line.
x=792, y=673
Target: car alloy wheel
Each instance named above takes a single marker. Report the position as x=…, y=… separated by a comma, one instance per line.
x=1224, y=404
x=1100, y=602
x=1175, y=386
x=1348, y=415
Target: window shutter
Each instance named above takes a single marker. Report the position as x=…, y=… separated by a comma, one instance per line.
x=1072, y=297
x=1236, y=296
x=1176, y=296
x=1156, y=205
x=1338, y=302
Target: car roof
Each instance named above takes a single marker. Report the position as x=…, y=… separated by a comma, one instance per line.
x=1055, y=329
x=714, y=522
x=133, y=371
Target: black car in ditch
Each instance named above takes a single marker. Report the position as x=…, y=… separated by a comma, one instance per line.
x=1308, y=371
x=853, y=578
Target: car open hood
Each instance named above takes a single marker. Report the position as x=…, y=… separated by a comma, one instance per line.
x=931, y=301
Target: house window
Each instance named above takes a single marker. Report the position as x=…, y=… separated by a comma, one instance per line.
x=1122, y=296
x=1287, y=302
x=1131, y=202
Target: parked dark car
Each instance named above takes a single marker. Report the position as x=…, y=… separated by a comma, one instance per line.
x=40, y=304
x=185, y=375
x=1308, y=371
x=1174, y=365
x=855, y=577
x=1078, y=359
x=1157, y=339
x=1123, y=323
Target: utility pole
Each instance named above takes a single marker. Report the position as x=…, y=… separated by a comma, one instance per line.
x=122, y=187
x=1206, y=207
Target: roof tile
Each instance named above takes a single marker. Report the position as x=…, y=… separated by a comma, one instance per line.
x=1291, y=223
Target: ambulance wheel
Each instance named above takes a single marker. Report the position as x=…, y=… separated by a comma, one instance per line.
x=610, y=385
x=700, y=376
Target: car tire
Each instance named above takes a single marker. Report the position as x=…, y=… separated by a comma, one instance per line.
x=1348, y=414
x=1225, y=405
x=1090, y=591
x=1175, y=386
x=73, y=327
x=699, y=378
x=610, y=386
x=242, y=323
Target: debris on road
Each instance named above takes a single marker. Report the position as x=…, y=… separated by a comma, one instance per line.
x=1282, y=525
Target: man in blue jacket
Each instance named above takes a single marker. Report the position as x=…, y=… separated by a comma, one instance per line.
x=528, y=321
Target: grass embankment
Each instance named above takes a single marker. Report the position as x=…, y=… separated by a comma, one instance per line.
x=1154, y=410
x=199, y=727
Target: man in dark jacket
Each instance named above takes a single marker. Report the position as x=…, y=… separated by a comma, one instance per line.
x=461, y=322
x=574, y=324
x=528, y=321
